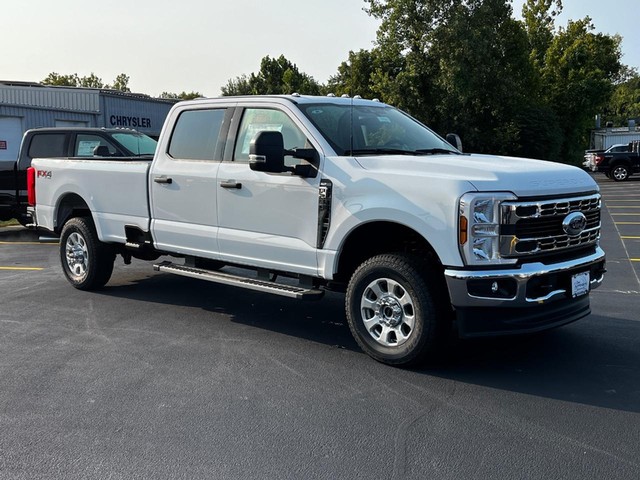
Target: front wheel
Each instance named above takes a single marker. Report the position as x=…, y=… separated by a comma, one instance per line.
x=396, y=309
x=86, y=261
x=620, y=173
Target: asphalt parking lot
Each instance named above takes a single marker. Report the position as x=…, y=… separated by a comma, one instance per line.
x=165, y=377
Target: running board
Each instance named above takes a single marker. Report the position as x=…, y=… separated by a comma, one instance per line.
x=290, y=291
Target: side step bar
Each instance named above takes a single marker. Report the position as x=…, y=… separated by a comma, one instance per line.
x=290, y=291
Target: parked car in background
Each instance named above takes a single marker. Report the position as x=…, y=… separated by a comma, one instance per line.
x=589, y=156
x=64, y=142
x=619, y=166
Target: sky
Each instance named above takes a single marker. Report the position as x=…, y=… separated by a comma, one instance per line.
x=198, y=45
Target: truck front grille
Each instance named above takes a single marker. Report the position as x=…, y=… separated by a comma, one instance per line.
x=537, y=227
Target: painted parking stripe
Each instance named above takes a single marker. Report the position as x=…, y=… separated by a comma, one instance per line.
x=28, y=243
x=22, y=268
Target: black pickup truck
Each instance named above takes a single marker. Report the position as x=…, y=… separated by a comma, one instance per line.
x=63, y=142
x=619, y=166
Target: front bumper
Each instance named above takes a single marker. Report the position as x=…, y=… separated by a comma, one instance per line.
x=526, y=299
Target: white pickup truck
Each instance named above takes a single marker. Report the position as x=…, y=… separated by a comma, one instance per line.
x=306, y=194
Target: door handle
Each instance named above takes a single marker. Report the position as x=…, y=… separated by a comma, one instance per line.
x=163, y=179
x=231, y=184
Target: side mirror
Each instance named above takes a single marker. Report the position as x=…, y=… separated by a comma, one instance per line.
x=454, y=139
x=266, y=152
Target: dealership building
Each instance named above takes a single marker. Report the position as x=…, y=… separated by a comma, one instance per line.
x=26, y=105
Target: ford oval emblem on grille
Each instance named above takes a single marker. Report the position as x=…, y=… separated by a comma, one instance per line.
x=574, y=224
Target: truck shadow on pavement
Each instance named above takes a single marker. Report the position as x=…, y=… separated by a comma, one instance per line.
x=593, y=361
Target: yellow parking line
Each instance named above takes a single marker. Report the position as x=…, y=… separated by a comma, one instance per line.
x=21, y=268
x=626, y=223
x=626, y=214
x=623, y=206
x=28, y=243
x=629, y=238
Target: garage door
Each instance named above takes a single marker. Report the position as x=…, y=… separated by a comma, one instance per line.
x=10, y=137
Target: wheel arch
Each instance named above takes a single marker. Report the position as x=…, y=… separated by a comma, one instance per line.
x=379, y=237
x=69, y=206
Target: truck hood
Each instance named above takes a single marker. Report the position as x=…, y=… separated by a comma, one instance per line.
x=521, y=176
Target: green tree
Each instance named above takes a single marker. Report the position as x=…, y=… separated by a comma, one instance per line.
x=276, y=76
x=181, y=95
x=578, y=80
x=539, y=20
x=56, y=79
x=121, y=83
x=89, y=81
x=355, y=76
x=482, y=75
x=625, y=101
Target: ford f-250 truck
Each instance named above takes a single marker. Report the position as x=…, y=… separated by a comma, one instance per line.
x=342, y=194
x=82, y=142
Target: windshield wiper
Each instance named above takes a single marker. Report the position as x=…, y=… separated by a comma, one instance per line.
x=433, y=151
x=397, y=151
x=379, y=151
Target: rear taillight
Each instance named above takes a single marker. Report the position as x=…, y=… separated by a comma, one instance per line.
x=598, y=159
x=31, y=186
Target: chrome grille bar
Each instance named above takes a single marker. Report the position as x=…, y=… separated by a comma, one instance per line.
x=536, y=227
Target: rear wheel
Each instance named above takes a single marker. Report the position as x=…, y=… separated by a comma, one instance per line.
x=620, y=172
x=86, y=261
x=397, y=310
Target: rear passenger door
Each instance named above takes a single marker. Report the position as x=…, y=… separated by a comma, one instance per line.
x=182, y=182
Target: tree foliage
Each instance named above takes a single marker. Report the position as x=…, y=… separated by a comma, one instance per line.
x=625, y=101
x=276, y=76
x=181, y=96
x=121, y=82
x=507, y=86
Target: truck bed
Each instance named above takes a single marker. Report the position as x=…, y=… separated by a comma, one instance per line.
x=116, y=192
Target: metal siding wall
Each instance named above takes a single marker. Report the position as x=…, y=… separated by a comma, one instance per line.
x=605, y=140
x=42, y=106
x=74, y=99
x=146, y=116
x=36, y=117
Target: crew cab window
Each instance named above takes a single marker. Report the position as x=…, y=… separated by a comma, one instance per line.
x=47, y=145
x=196, y=134
x=257, y=120
x=88, y=145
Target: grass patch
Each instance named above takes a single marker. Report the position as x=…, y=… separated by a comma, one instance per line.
x=8, y=223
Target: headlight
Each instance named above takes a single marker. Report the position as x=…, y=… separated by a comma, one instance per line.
x=479, y=228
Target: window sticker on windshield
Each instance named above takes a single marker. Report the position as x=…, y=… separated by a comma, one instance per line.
x=85, y=147
x=384, y=120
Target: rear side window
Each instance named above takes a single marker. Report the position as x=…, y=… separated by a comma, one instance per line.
x=88, y=145
x=45, y=145
x=196, y=135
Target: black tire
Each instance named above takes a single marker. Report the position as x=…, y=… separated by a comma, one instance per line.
x=620, y=172
x=397, y=309
x=86, y=261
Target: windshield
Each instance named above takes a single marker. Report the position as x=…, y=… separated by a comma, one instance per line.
x=371, y=130
x=136, y=143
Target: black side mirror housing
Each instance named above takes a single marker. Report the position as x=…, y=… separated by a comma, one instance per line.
x=266, y=152
x=454, y=139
